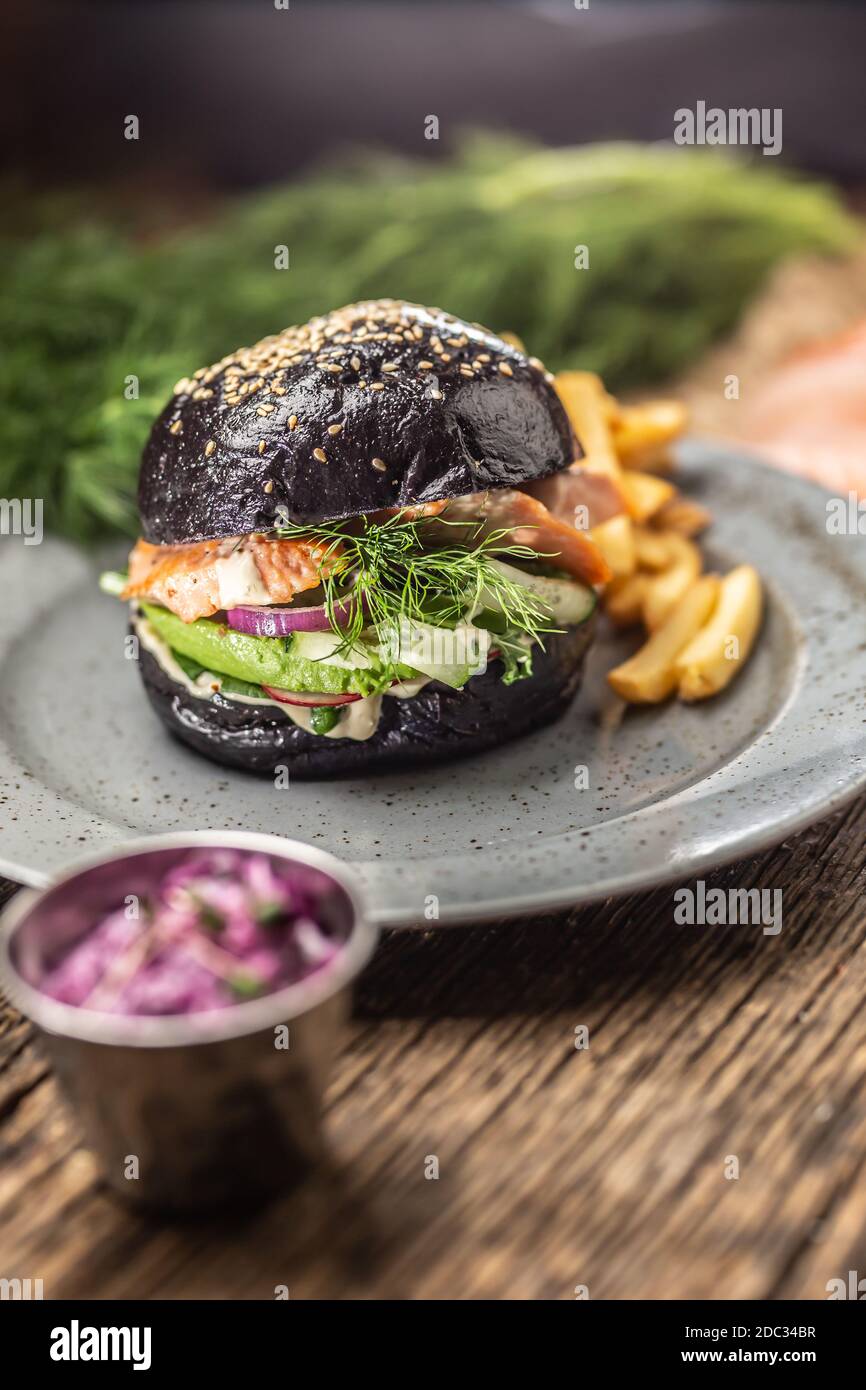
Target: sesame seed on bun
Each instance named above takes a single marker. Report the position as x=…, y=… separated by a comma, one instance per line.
x=379, y=404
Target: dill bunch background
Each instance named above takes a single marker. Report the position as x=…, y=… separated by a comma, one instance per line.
x=679, y=240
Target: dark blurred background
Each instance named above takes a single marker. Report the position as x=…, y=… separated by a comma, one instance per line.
x=234, y=93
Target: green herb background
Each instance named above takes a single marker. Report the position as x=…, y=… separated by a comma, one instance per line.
x=679, y=240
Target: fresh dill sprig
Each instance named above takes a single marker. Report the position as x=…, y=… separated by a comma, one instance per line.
x=380, y=574
x=86, y=301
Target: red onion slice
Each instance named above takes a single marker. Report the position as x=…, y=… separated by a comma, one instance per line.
x=270, y=621
x=308, y=698
x=277, y=622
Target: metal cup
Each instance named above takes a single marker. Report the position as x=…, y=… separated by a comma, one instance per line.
x=187, y=1111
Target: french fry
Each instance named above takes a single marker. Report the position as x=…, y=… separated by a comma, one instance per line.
x=721, y=648
x=589, y=408
x=610, y=407
x=624, y=598
x=645, y=494
x=682, y=515
x=701, y=629
x=659, y=462
x=640, y=432
x=651, y=675
x=615, y=540
x=652, y=549
x=665, y=589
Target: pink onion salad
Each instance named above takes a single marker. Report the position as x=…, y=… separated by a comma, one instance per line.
x=223, y=926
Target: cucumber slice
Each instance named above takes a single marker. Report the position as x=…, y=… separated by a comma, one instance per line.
x=322, y=646
x=113, y=582
x=569, y=603
x=450, y=655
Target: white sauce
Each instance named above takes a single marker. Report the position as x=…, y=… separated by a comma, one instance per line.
x=358, y=720
x=407, y=690
x=239, y=581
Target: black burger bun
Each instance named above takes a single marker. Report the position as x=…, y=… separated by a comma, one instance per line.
x=433, y=726
x=379, y=404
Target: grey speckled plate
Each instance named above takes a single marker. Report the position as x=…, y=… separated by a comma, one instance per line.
x=672, y=791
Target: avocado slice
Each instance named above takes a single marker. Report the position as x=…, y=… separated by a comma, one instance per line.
x=265, y=660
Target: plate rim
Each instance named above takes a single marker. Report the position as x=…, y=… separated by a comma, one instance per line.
x=737, y=841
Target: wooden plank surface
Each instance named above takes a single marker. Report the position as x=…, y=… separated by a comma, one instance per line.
x=558, y=1167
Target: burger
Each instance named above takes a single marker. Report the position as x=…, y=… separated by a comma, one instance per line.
x=361, y=549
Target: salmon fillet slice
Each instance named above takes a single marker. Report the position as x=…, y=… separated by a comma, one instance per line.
x=596, y=495
x=528, y=522
x=189, y=579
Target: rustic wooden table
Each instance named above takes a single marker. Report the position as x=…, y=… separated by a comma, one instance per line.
x=608, y=1167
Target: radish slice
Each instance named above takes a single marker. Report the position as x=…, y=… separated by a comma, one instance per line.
x=279, y=622
x=308, y=697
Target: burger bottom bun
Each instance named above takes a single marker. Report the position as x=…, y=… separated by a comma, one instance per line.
x=438, y=724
